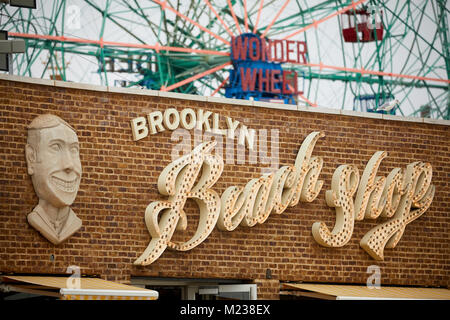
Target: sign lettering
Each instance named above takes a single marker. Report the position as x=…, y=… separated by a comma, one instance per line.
x=417, y=193
x=177, y=181
x=273, y=193
x=171, y=119
x=343, y=186
x=401, y=196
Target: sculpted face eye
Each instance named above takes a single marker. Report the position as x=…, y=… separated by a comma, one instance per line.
x=75, y=150
x=56, y=147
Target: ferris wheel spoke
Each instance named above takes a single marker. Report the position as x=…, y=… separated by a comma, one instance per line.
x=285, y=25
x=420, y=61
x=219, y=18
x=195, y=77
x=105, y=16
x=164, y=6
x=230, y=7
x=105, y=43
x=222, y=84
x=415, y=41
x=197, y=12
x=140, y=12
x=312, y=104
x=266, y=29
x=261, y=3
x=245, y=16
x=412, y=29
x=363, y=71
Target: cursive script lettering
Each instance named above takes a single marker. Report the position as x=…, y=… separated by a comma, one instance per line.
x=369, y=201
x=393, y=196
x=343, y=187
x=418, y=194
x=401, y=196
x=177, y=181
x=273, y=193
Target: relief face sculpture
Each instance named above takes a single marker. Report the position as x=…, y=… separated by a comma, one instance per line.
x=53, y=162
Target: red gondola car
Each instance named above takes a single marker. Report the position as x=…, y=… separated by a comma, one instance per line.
x=362, y=26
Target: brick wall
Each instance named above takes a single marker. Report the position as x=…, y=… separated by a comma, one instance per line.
x=119, y=181
x=268, y=289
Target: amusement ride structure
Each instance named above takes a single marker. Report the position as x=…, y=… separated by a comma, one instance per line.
x=367, y=55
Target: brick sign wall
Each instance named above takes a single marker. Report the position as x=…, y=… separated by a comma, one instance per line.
x=120, y=179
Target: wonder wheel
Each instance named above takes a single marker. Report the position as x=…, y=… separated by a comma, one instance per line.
x=379, y=56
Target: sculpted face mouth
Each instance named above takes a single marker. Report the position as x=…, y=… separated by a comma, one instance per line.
x=65, y=185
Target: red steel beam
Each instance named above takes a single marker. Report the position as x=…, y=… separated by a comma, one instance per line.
x=164, y=6
x=220, y=86
x=363, y=71
x=219, y=18
x=312, y=104
x=193, y=78
x=103, y=43
x=245, y=16
x=274, y=19
x=258, y=16
x=230, y=6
